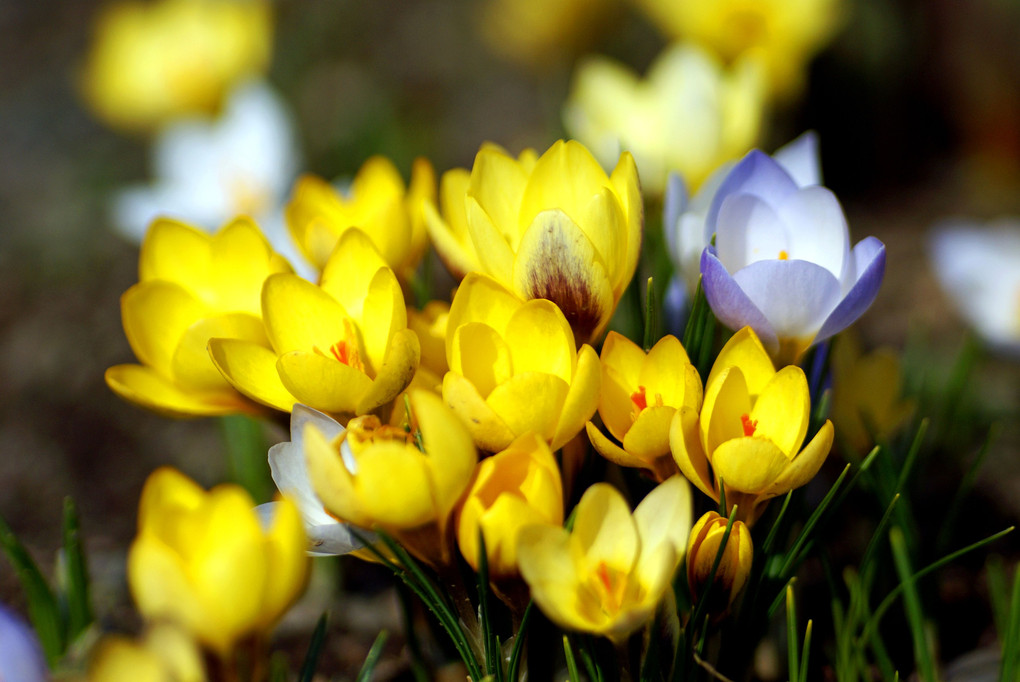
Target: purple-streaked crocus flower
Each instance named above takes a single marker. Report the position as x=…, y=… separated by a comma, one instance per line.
x=782, y=262
x=21, y=658
x=979, y=268
x=326, y=535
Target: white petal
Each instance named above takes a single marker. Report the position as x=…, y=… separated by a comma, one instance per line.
x=800, y=159
x=795, y=296
x=748, y=230
x=816, y=229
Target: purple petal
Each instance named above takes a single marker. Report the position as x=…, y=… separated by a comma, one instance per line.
x=757, y=174
x=869, y=261
x=21, y=658
x=674, y=204
x=794, y=295
x=729, y=302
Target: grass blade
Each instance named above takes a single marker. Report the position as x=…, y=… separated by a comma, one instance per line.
x=43, y=609
x=365, y=674
x=515, y=653
x=314, y=649
x=912, y=604
x=246, y=455
x=792, y=647
x=572, y=673
x=1010, y=669
x=75, y=578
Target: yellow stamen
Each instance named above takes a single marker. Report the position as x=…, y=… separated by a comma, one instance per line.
x=783, y=255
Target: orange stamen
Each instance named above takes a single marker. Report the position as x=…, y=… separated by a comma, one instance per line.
x=603, y=574
x=749, y=424
x=639, y=398
x=783, y=255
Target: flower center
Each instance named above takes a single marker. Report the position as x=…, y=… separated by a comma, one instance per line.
x=610, y=586
x=783, y=255
x=749, y=424
x=639, y=402
x=368, y=429
x=345, y=351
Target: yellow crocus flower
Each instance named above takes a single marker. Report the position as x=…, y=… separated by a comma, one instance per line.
x=688, y=114
x=202, y=560
x=152, y=62
x=514, y=367
x=375, y=476
x=640, y=394
x=783, y=34
x=734, y=565
x=553, y=227
x=377, y=203
x=867, y=393
x=165, y=652
x=607, y=575
x=341, y=347
x=192, y=287
x=429, y=324
x=748, y=436
x=512, y=489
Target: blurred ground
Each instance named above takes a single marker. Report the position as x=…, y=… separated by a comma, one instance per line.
x=907, y=135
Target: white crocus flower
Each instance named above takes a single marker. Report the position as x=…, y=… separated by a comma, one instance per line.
x=326, y=535
x=206, y=172
x=979, y=268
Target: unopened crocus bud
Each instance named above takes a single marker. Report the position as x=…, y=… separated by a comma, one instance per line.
x=734, y=565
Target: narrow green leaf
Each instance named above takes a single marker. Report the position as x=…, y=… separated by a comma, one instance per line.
x=912, y=602
x=805, y=534
x=572, y=673
x=43, y=608
x=806, y=652
x=74, y=576
x=314, y=649
x=966, y=485
x=792, y=646
x=515, y=652
x=365, y=674
x=771, y=537
x=278, y=669
x=491, y=650
x=651, y=316
x=418, y=668
x=1010, y=669
x=246, y=455
x=998, y=594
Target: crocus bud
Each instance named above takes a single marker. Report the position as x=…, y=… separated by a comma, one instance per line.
x=734, y=565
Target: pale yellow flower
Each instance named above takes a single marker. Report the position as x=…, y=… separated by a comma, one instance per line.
x=152, y=62
x=165, y=653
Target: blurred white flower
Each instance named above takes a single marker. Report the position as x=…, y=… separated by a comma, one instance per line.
x=207, y=172
x=978, y=266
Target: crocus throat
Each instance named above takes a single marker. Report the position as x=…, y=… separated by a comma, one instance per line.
x=749, y=424
x=609, y=580
x=639, y=401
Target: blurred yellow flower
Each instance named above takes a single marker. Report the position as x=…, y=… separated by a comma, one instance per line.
x=429, y=324
x=783, y=34
x=752, y=424
x=192, y=287
x=377, y=203
x=607, y=575
x=689, y=114
x=554, y=227
x=375, y=476
x=867, y=393
x=514, y=367
x=640, y=394
x=536, y=32
x=202, y=560
x=152, y=62
x=341, y=347
x=512, y=489
x=734, y=566
x=164, y=653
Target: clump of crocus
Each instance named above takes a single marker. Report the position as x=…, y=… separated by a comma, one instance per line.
x=607, y=575
x=514, y=488
x=554, y=227
x=154, y=62
x=405, y=481
x=640, y=394
x=341, y=347
x=514, y=367
x=203, y=560
x=748, y=436
x=734, y=564
x=782, y=262
x=377, y=203
x=689, y=114
x=192, y=287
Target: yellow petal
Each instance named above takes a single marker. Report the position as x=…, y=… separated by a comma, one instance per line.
x=621, y=362
x=545, y=562
x=665, y=515
x=806, y=464
x=351, y=267
x=393, y=487
x=192, y=366
x=566, y=177
x=745, y=351
x=241, y=259
x=497, y=182
x=155, y=316
x=748, y=465
x=648, y=438
x=603, y=222
x=665, y=373
x=540, y=340
x=331, y=480
x=495, y=257
x=582, y=398
x=531, y=401
x=285, y=555
x=482, y=356
x=251, y=369
x=301, y=316
x=604, y=530
x=397, y=371
x=323, y=383
x=480, y=299
x=451, y=453
x=612, y=451
x=782, y=410
x=144, y=386
x=487, y=428
x=175, y=252
x=726, y=405
x=383, y=315
x=167, y=491
x=161, y=589
x=449, y=237
x=628, y=189
x=556, y=261
x=685, y=444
